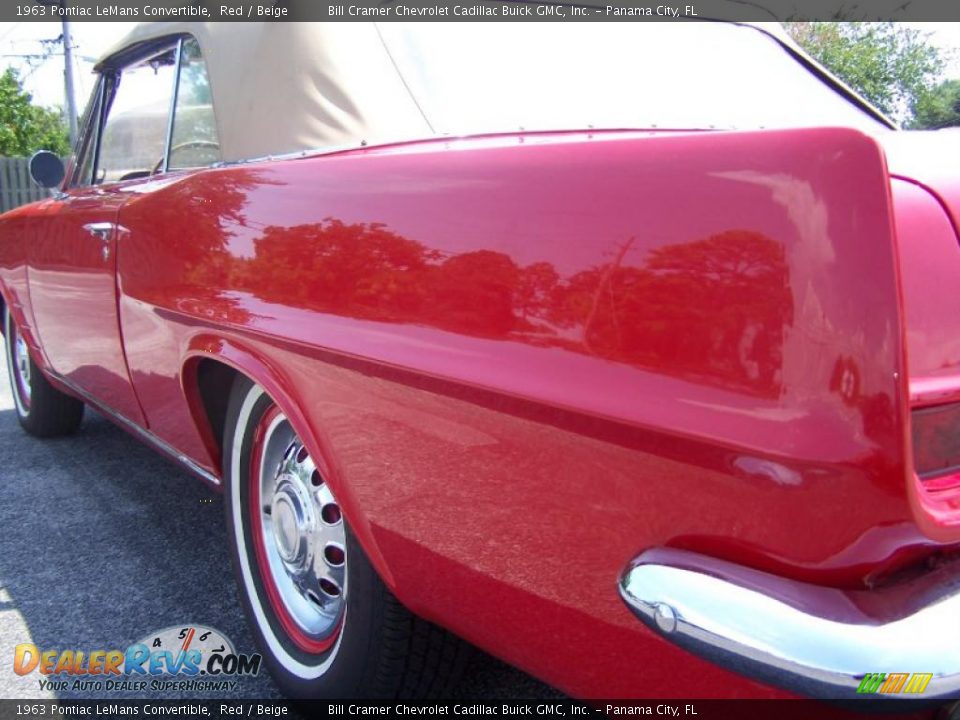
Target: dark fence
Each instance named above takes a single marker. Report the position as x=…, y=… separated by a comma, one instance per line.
x=16, y=187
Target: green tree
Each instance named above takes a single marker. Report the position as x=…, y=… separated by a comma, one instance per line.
x=25, y=127
x=938, y=108
x=890, y=65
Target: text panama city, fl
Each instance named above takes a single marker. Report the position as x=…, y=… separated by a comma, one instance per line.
x=511, y=11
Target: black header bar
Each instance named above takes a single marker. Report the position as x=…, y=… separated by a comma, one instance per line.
x=477, y=10
x=231, y=709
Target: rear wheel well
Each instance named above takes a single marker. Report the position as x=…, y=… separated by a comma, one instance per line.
x=214, y=382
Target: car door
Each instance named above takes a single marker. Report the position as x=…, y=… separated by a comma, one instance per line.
x=72, y=282
x=73, y=263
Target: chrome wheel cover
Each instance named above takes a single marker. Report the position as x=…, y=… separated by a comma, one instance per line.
x=21, y=367
x=302, y=532
x=18, y=366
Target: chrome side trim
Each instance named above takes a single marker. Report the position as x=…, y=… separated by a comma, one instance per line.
x=811, y=640
x=163, y=446
x=142, y=433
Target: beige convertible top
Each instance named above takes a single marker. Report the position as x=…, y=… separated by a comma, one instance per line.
x=288, y=87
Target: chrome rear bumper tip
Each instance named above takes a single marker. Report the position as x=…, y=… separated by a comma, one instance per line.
x=901, y=642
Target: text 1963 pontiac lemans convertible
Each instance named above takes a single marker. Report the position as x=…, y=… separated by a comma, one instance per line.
x=630, y=353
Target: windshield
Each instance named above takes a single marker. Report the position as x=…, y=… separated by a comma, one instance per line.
x=498, y=77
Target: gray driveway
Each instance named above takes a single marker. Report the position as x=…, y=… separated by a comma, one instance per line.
x=103, y=541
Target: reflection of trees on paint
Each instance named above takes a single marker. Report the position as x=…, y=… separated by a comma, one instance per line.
x=185, y=254
x=361, y=270
x=717, y=305
x=712, y=309
x=199, y=237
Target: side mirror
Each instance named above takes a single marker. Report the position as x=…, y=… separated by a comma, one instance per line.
x=46, y=169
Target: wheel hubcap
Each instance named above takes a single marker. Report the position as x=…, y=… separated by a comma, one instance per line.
x=302, y=534
x=291, y=526
x=21, y=367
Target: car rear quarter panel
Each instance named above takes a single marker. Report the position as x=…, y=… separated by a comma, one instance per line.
x=524, y=360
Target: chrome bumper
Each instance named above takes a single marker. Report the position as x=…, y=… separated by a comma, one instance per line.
x=809, y=639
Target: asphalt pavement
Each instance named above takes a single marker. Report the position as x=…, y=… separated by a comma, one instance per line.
x=103, y=541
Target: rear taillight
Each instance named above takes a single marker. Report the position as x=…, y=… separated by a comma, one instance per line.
x=936, y=445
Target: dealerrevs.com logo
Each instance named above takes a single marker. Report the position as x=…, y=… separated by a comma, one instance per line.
x=190, y=657
x=892, y=683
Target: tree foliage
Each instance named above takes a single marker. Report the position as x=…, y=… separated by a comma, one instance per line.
x=890, y=65
x=25, y=127
x=938, y=108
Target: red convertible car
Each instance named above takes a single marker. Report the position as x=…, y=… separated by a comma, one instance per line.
x=629, y=353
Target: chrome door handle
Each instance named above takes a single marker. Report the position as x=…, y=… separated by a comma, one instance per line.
x=100, y=230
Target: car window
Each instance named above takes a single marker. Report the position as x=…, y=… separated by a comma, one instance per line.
x=134, y=135
x=194, y=139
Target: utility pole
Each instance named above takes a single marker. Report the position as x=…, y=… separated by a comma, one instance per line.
x=71, y=105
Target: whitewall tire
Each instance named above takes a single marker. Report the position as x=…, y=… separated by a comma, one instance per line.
x=326, y=624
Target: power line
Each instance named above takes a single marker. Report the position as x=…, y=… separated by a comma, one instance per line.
x=49, y=47
x=34, y=60
x=8, y=32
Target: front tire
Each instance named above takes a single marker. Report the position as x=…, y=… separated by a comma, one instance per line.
x=43, y=411
x=324, y=621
